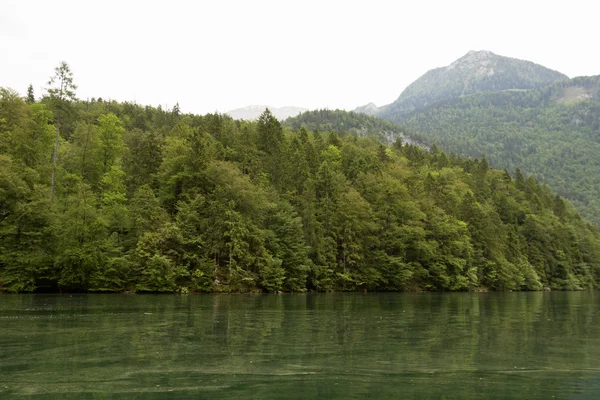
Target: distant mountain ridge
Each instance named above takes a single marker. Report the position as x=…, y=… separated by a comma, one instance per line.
x=251, y=113
x=368, y=109
x=348, y=122
x=475, y=72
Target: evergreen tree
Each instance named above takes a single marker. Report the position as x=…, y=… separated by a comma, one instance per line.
x=30, y=96
x=146, y=200
x=62, y=93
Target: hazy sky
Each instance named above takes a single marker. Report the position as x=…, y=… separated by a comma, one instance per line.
x=219, y=55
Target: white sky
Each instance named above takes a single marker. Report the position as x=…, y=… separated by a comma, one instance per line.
x=219, y=55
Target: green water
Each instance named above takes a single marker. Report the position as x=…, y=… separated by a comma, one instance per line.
x=462, y=345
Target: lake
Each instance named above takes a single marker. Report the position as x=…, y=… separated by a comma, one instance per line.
x=433, y=345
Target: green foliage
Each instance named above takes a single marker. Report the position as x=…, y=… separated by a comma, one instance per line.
x=158, y=261
x=551, y=133
x=150, y=200
x=63, y=88
x=110, y=133
x=30, y=98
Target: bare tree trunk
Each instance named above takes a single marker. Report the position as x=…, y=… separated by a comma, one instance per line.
x=54, y=156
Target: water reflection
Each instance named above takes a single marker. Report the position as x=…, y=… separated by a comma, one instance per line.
x=459, y=345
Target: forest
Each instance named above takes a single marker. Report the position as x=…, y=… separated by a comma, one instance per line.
x=109, y=196
x=552, y=133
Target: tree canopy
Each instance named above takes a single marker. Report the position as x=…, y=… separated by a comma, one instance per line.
x=148, y=199
x=551, y=133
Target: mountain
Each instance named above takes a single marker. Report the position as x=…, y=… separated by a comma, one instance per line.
x=251, y=113
x=368, y=109
x=515, y=113
x=475, y=72
x=551, y=132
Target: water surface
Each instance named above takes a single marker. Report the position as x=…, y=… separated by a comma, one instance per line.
x=442, y=346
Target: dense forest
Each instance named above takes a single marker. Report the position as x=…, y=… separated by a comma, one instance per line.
x=552, y=133
x=105, y=196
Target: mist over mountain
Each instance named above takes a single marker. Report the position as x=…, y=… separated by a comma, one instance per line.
x=251, y=113
x=368, y=109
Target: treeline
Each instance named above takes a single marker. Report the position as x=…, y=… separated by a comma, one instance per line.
x=347, y=122
x=147, y=199
x=552, y=133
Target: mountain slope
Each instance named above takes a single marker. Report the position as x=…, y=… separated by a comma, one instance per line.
x=251, y=113
x=552, y=132
x=476, y=72
x=353, y=123
x=368, y=109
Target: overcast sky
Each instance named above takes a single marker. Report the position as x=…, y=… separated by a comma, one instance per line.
x=219, y=55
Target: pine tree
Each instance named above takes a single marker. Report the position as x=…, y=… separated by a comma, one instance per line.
x=61, y=94
x=30, y=97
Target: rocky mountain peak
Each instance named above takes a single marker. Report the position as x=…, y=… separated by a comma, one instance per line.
x=481, y=62
x=475, y=72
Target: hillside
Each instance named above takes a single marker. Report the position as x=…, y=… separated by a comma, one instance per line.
x=475, y=72
x=348, y=122
x=552, y=133
x=152, y=200
x=252, y=113
x=368, y=109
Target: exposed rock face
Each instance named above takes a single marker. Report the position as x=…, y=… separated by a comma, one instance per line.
x=477, y=62
x=251, y=113
x=368, y=109
x=475, y=72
